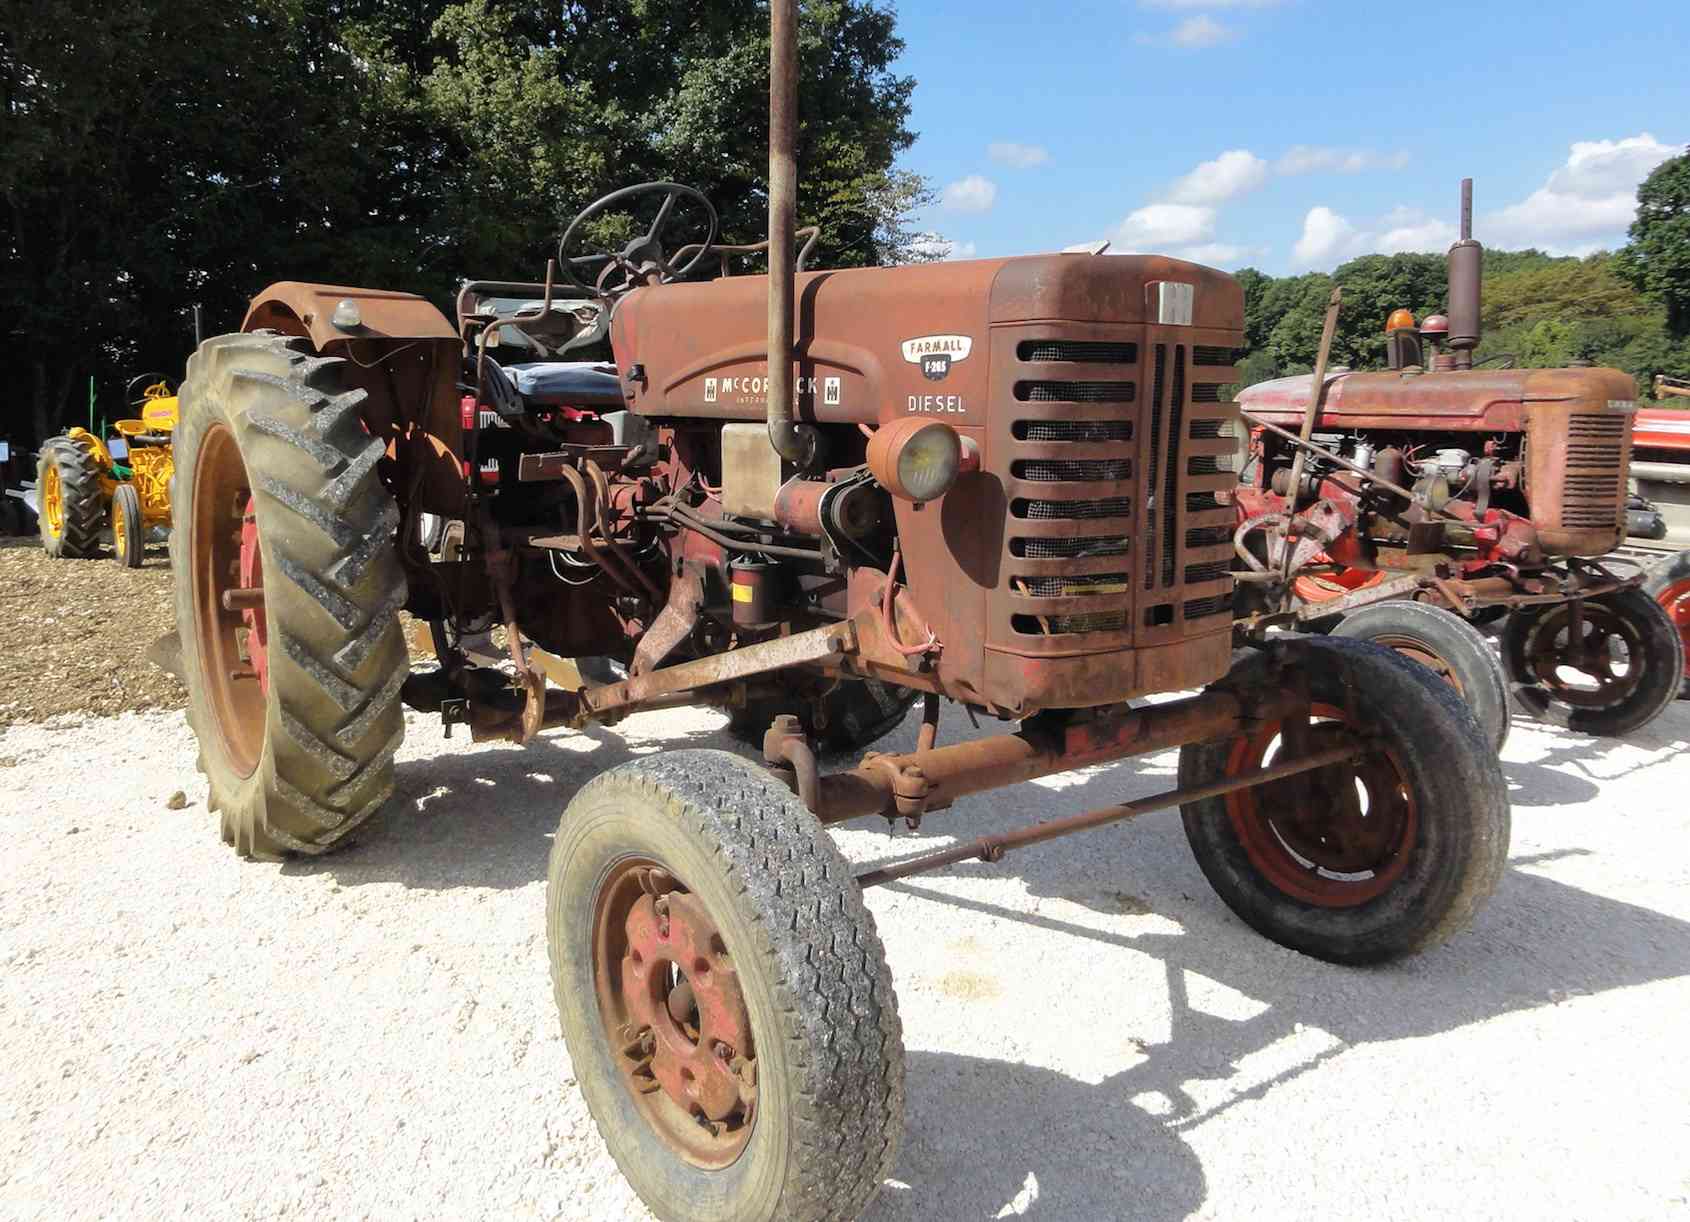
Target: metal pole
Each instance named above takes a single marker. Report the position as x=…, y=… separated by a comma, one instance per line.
x=1317, y=397
x=792, y=441
x=992, y=848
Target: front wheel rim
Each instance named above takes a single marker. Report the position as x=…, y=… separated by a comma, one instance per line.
x=1336, y=837
x=53, y=501
x=1550, y=653
x=674, y=1015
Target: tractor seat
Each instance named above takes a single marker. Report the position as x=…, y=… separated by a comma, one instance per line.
x=591, y=384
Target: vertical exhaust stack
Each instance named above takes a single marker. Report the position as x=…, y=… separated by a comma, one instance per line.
x=1466, y=264
x=793, y=441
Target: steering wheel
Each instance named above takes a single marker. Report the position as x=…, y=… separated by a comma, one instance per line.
x=1501, y=360
x=134, y=393
x=643, y=257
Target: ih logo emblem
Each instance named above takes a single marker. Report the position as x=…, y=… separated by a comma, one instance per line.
x=935, y=354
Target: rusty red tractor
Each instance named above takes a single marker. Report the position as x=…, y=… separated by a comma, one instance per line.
x=992, y=482
x=1477, y=491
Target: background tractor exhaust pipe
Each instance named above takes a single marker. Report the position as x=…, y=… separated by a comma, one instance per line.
x=1466, y=266
x=793, y=441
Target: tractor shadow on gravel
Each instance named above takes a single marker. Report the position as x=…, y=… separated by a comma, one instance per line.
x=1090, y=1149
x=483, y=818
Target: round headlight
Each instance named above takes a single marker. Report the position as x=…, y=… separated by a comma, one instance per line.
x=916, y=458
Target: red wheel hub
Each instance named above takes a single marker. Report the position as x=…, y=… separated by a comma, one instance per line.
x=1676, y=599
x=677, y=1019
x=252, y=578
x=1335, y=837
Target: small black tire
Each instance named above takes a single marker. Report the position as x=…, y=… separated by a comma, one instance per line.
x=1426, y=747
x=128, y=528
x=854, y=714
x=1450, y=646
x=1668, y=583
x=77, y=535
x=1655, y=653
x=824, y=1017
x=297, y=763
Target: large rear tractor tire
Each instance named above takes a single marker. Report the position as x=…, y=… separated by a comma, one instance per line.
x=1621, y=674
x=73, y=509
x=1358, y=862
x=854, y=714
x=1668, y=583
x=288, y=589
x=1449, y=647
x=128, y=528
x=723, y=994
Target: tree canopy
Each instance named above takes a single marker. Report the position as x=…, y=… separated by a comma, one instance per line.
x=1657, y=261
x=153, y=156
x=1542, y=310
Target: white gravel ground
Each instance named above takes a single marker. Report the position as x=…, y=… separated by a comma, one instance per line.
x=1091, y=1034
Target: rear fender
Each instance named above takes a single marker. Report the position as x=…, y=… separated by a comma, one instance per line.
x=405, y=355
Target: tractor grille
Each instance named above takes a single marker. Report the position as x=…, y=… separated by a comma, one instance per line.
x=1089, y=351
x=1042, y=470
x=1113, y=464
x=1593, y=485
x=1075, y=392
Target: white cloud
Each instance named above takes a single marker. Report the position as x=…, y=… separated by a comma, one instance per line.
x=1325, y=236
x=1592, y=194
x=1218, y=254
x=1192, y=34
x=1017, y=156
x=971, y=194
x=1155, y=227
x=1316, y=159
x=1409, y=229
x=937, y=246
x=1234, y=173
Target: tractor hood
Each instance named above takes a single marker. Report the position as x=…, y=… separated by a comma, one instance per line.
x=1485, y=399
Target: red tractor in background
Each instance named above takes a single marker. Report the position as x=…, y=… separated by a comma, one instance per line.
x=1477, y=491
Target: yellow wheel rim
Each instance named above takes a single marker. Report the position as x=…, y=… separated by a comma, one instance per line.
x=119, y=539
x=53, y=501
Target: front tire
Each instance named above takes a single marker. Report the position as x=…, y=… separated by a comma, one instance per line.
x=293, y=689
x=128, y=530
x=692, y=902
x=1447, y=645
x=1585, y=690
x=1362, y=862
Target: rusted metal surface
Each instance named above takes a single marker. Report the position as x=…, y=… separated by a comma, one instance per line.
x=800, y=649
x=1333, y=837
x=298, y=308
x=794, y=442
x=669, y=995
x=872, y=354
x=993, y=848
x=931, y=779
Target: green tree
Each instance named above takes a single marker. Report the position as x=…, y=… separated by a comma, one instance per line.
x=398, y=143
x=1657, y=261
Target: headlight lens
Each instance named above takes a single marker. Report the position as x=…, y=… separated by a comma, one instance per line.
x=916, y=458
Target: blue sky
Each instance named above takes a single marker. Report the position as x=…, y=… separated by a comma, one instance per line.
x=1290, y=134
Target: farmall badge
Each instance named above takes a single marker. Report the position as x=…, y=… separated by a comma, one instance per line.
x=937, y=353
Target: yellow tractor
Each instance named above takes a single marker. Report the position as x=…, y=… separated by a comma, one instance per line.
x=85, y=484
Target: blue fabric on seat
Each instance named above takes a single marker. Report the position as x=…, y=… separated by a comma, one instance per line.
x=568, y=383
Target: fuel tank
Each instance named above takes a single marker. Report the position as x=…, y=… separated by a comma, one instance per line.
x=1576, y=422
x=1087, y=561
